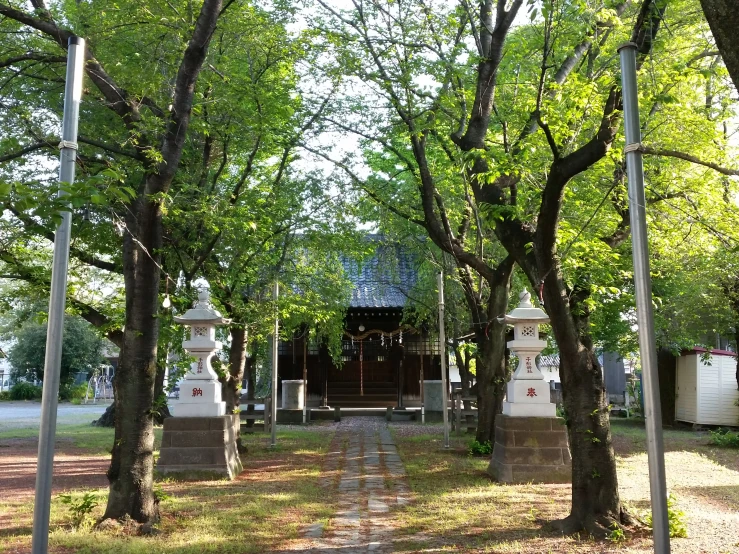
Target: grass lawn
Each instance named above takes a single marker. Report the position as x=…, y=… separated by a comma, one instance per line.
x=262, y=510
x=94, y=440
x=457, y=508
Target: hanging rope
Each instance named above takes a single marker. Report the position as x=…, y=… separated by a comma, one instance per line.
x=389, y=334
x=361, y=372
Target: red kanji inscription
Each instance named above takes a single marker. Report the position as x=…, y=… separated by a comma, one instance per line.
x=528, y=365
x=197, y=392
x=532, y=392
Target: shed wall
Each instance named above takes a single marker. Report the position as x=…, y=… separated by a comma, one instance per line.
x=686, y=401
x=716, y=394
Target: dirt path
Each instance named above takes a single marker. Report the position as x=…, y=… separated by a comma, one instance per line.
x=364, y=472
x=74, y=468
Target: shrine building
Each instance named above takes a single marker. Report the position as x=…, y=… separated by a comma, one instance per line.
x=384, y=361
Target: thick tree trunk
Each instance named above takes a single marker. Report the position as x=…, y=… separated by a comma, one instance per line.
x=596, y=505
x=723, y=18
x=491, y=380
x=107, y=419
x=491, y=363
x=132, y=463
x=160, y=414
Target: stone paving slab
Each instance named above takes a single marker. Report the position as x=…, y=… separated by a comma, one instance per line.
x=365, y=473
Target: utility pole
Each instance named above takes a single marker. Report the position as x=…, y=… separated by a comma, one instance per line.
x=57, y=300
x=644, y=315
x=442, y=349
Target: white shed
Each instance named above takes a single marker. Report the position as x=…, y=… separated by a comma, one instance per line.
x=706, y=388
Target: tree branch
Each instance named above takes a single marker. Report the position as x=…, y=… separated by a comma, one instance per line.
x=648, y=150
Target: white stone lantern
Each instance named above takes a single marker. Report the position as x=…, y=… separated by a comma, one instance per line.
x=200, y=391
x=527, y=393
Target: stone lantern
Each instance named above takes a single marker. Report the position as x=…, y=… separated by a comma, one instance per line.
x=527, y=392
x=201, y=436
x=530, y=441
x=200, y=392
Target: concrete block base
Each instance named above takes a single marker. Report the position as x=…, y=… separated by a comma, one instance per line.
x=530, y=449
x=290, y=416
x=199, y=444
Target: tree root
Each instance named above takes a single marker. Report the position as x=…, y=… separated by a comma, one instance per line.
x=599, y=527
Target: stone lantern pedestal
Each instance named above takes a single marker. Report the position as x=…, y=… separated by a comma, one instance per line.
x=530, y=441
x=201, y=436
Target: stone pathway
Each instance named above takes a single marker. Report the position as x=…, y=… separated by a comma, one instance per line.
x=365, y=473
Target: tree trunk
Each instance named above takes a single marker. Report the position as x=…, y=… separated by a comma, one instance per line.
x=595, y=500
x=596, y=505
x=235, y=376
x=236, y=366
x=463, y=363
x=491, y=380
x=160, y=414
x=723, y=18
x=491, y=363
x=251, y=383
x=132, y=462
x=667, y=376
x=161, y=411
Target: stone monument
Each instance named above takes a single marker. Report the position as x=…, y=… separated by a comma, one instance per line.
x=530, y=441
x=201, y=436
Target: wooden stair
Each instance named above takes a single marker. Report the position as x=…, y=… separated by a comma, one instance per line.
x=346, y=394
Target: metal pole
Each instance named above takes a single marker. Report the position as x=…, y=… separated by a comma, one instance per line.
x=643, y=285
x=57, y=300
x=442, y=349
x=275, y=352
x=305, y=377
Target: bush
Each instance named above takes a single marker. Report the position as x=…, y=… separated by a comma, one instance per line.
x=72, y=393
x=675, y=519
x=4, y=395
x=724, y=437
x=480, y=448
x=80, y=509
x=25, y=391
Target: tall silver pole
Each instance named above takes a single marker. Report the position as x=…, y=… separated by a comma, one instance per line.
x=275, y=352
x=57, y=300
x=643, y=285
x=442, y=349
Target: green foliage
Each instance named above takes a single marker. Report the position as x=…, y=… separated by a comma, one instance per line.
x=633, y=389
x=616, y=535
x=72, y=393
x=4, y=395
x=24, y=390
x=79, y=508
x=81, y=349
x=160, y=494
x=675, y=518
x=477, y=448
x=724, y=437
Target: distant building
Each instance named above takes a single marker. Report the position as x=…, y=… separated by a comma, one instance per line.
x=4, y=371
